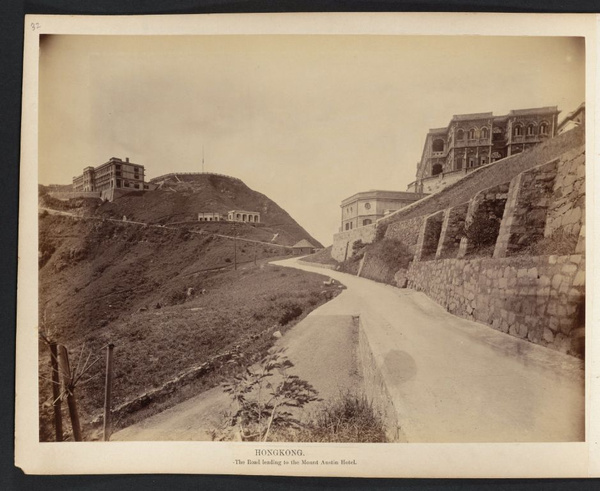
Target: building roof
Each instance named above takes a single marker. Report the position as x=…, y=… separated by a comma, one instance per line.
x=438, y=130
x=571, y=115
x=534, y=110
x=303, y=243
x=467, y=117
x=380, y=194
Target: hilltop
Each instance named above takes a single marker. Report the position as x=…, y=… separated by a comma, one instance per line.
x=180, y=197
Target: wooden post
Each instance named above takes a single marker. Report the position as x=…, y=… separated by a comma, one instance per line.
x=56, y=397
x=108, y=392
x=63, y=358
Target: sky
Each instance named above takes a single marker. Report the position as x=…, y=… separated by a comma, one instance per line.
x=305, y=120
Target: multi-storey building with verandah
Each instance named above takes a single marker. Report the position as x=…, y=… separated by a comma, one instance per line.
x=114, y=174
x=472, y=140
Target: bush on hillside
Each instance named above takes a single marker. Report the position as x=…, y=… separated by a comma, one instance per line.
x=380, y=232
x=483, y=232
x=291, y=311
x=392, y=252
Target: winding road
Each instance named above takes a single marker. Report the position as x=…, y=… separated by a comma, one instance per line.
x=449, y=379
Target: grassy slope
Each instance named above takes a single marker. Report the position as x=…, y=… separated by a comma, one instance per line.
x=100, y=282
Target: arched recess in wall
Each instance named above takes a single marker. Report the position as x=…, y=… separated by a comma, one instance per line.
x=438, y=145
x=460, y=135
x=436, y=169
x=518, y=130
x=485, y=133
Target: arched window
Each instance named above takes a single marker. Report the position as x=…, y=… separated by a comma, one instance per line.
x=438, y=145
x=237, y=216
x=518, y=130
x=530, y=130
x=485, y=133
x=472, y=134
x=436, y=169
x=544, y=128
x=460, y=135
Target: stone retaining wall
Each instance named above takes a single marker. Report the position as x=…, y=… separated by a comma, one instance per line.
x=566, y=211
x=375, y=269
x=342, y=242
x=540, y=298
x=406, y=231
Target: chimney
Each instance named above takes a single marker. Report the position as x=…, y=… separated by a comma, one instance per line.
x=127, y=159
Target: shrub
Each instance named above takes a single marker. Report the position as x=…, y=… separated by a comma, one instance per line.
x=392, y=252
x=176, y=297
x=482, y=232
x=291, y=311
x=380, y=232
x=351, y=418
x=263, y=403
x=357, y=245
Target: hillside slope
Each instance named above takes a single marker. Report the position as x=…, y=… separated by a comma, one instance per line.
x=168, y=299
x=180, y=198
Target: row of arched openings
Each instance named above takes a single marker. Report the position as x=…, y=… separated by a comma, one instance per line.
x=530, y=130
x=473, y=133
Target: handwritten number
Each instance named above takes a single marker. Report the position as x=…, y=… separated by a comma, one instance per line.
x=35, y=25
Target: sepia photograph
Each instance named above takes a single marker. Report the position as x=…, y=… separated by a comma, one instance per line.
x=272, y=240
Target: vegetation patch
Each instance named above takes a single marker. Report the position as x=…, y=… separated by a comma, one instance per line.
x=482, y=234
x=269, y=401
x=559, y=244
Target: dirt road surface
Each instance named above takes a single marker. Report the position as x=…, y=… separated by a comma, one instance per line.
x=453, y=380
x=450, y=379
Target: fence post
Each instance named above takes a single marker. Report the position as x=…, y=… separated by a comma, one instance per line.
x=63, y=358
x=56, y=397
x=108, y=391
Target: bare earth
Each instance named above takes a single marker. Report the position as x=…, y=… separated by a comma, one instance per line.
x=451, y=380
